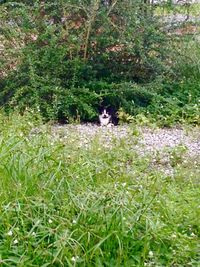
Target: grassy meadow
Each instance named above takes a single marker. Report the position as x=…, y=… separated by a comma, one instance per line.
x=65, y=205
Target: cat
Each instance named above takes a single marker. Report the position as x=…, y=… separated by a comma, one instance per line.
x=105, y=118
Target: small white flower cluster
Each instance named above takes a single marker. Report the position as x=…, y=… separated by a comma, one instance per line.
x=33, y=234
x=173, y=236
x=15, y=242
x=150, y=254
x=10, y=233
x=74, y=258
x=74, y=221
x=117, y=184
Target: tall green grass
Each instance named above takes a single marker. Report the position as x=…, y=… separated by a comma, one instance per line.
x=65, y=205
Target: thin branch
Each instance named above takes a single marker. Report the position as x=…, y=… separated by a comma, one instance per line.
x=90, y=22
x=112, y=7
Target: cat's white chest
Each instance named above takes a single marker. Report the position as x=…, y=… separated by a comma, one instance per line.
x=104, y=121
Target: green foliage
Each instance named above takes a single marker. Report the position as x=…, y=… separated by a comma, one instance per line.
x=124, y=117
x=179, y=104
x=79, y=44
x=65, y=205
x=68, y=58
x=177, y=155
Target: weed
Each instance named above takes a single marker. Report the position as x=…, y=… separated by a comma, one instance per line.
x=66, y=205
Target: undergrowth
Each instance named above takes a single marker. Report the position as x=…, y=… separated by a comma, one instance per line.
x=65, y=205
x=70, y=59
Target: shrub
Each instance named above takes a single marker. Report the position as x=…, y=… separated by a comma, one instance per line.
x=74, y=57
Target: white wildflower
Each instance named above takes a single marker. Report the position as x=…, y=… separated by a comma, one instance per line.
x=10, y=233
x=74, y=221
x=192, y=234
x=173, y=236
x=74, y=258
x=150, y=254
x=15, y=242
x=50, y=221
x=33, y=234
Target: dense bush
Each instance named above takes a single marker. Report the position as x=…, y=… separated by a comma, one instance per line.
x=72, y=57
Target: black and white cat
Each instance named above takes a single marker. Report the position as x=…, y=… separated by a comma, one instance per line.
x=105, y=118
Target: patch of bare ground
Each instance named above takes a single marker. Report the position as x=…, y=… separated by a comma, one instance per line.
x=166, y=148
